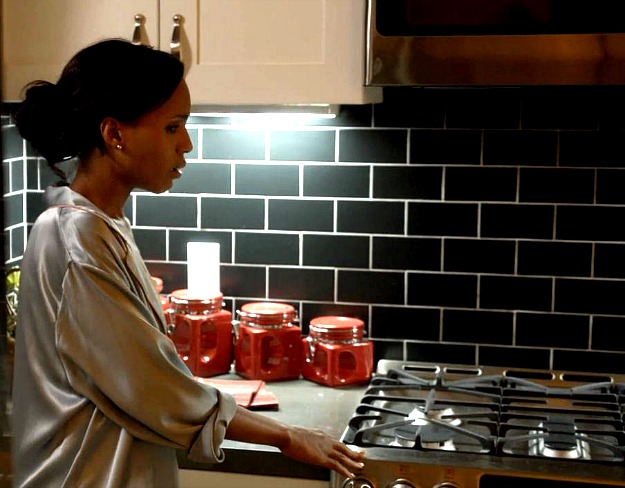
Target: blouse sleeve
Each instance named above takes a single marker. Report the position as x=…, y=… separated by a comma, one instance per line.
x=115, y=357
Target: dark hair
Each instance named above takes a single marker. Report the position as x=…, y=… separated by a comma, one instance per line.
x=111, y=78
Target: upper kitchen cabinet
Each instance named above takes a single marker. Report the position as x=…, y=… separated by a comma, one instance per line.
x=40, y=37
x=237, y=52
x=272, y=51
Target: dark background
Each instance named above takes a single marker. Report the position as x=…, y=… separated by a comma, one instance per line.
x=475, y=226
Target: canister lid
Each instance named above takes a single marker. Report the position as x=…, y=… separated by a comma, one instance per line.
x=266, y=313
x=182, y=297
x=336, y=327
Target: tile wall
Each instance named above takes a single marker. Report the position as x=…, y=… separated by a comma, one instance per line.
x=474, y=226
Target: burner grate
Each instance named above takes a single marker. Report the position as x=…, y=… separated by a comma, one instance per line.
x=501, y=413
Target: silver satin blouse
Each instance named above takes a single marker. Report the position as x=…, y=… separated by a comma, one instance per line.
x=100, y=397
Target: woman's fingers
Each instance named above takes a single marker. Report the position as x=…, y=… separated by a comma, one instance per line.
x=348, y=461
x=316, y=447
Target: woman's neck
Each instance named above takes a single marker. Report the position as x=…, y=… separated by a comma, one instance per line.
x=104, y=192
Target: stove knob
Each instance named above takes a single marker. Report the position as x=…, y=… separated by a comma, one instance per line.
x=357, y=483
x=401, y=484
x=446, y=484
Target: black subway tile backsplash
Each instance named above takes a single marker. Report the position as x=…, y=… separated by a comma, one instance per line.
x=14, y=209
x=549, y=258
x=301, y=284
x=515, y=357
x=15, y=242
x=590, y=296
x=370, y=217
x=166, y=211
x=560, y=108
x=336, y=251
x=590, y=223
x=478, y=326
x=266, y=179
x=152, y=242
x=368, y=146
x=517, y=221
x=302, y=145
x=609, y=262
x=479, y=255
x=441, y=352
x=388, y=350
x=413, y=323
x=232, y=213
x=561, y=185
x=12, y=143
x=592, y=149
x=33, y=172
x=610, y=184
x=35, y=204
x=445, y=146
x=480, y=183
x=17, y=175
x=260, y=248
x=412, y=182
x=443, y=219
x=584, y=361
x=370, y=287
x=244, y=281
x=473, y=226
x=497, y=108
x=204, y=178
x=309, y=215
x=415, y=253
x=411, y=107
x=516, y=293
x=233, y=144
x=553, y=330
x=6, y=178
x=520, y=147
x=603, y=333
x=442, y=290
x=337, y=181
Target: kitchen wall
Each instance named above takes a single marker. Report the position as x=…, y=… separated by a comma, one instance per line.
x=474, y=226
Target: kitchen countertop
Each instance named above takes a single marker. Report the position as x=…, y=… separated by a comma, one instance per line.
x=302, y=403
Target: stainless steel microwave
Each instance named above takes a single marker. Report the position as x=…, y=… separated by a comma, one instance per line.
x=495, y=42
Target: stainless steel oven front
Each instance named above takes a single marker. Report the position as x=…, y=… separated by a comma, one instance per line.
x=494, y=42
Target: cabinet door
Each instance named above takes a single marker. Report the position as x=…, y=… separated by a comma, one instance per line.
x=271, y=51
x=39, y=37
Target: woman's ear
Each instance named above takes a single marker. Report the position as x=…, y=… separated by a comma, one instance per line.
x=111, y=133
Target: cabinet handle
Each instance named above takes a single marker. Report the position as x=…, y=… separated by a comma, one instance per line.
x=136, y=33
x=174, y=45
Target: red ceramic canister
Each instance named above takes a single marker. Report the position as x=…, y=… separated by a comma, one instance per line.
x=335, y=353
x=268, y=342
x=202, y=333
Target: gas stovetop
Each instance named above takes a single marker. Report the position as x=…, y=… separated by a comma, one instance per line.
x=465, y=425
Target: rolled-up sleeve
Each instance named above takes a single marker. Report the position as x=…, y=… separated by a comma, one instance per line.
x=115, y=356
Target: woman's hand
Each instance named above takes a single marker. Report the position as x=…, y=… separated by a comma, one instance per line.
x=315, y=447
x=307, y=445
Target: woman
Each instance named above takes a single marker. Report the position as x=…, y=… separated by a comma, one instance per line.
x=100, y=397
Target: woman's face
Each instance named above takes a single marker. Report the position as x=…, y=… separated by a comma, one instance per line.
x=154, y=145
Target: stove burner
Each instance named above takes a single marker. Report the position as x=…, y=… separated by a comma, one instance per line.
x=558, y=438
x=431, y=436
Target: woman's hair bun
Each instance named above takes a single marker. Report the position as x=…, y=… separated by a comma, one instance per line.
x=44, y=119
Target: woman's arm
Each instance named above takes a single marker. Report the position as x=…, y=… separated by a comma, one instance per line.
x=306, y=445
